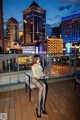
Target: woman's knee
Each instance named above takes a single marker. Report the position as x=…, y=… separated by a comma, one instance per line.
x=41, y=88
x=44, y=86
x=39, y=85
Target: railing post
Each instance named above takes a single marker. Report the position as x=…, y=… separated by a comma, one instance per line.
x=69, y=64
x=75, y=62
x=9, y=69
x=49, y=64
x=18, y=68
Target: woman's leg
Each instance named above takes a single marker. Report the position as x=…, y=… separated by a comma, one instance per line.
x=43, y=95
x=40, y=87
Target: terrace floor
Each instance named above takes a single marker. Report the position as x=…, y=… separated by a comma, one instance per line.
x=62, y=103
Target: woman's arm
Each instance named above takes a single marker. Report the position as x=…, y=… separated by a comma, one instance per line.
x=33, y=71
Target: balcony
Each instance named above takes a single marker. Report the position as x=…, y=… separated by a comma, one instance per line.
x=62, y=103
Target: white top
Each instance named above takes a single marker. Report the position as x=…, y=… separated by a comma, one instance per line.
x=37, y=71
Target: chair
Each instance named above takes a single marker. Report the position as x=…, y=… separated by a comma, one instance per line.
x=77, y=78
x=28, y=83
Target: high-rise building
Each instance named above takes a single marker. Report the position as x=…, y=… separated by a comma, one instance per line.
x=1, y=28
x=34, y=23
x=56, y=32
x=70, y=28
x=12, y=29
x=70, y=32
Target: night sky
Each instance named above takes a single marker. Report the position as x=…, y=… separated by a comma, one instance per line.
x=55, y=9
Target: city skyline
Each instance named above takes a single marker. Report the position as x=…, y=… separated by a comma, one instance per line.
x=55, y=9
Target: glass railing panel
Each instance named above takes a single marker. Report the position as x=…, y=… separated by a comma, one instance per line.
x=7, y=63
x=12, y=66
x=59, y=64
x=24, y=62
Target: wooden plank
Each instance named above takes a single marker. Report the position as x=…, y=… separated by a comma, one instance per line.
x=6, y=104
x=18, y=111
x=2, y=101
x=27, y=106
x=12, y=115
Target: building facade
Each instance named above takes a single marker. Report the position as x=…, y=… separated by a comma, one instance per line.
x=12, y=29
x=1, y=28
x=54, y=45
x=70, y=28
x=34, y=23
x=70, y=32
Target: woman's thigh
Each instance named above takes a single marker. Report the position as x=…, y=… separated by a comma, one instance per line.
x=43, y=84
x=36, y=82
x=33, y=80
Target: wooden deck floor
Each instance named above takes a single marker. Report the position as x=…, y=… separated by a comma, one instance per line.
x=62, y=103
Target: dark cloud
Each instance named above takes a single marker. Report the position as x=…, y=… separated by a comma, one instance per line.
x=67, y=7
x=71, y=1
x=75, y=8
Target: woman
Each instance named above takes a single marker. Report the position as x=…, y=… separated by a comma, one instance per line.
x=37, y=74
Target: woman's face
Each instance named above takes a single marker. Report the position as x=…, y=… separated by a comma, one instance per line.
x=38, y=60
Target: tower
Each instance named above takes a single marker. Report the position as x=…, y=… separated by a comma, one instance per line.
x=34, y=23
x=12, y=29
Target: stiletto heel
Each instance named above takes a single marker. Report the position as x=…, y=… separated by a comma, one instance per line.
x=43, y=111
x=38, y=115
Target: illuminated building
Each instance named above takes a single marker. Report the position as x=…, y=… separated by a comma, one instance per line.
x=20, y=33
x=5, y=44
x=70, y=30
x=1, y=28
x=21, y=37
x=12, y=29
x=28, y=49
x=34, y=23
x=54, y=45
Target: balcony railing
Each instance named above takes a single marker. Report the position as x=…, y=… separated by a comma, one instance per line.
x=12, y=66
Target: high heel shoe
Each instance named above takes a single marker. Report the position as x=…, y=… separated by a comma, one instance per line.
x=37, y=112
x=43, y=111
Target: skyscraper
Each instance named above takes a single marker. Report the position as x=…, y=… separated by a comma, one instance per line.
x=12, y=29
x=1, y=28
x=34, y=23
